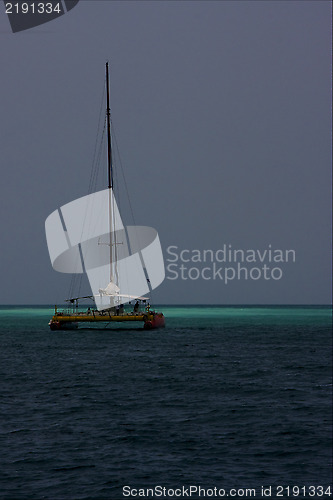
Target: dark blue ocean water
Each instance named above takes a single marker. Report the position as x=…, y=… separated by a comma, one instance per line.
x=222, y=397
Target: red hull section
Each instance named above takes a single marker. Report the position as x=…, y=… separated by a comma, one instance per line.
x=158, y=321
x=55, y=325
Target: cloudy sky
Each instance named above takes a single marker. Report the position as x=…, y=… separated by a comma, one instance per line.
x=223, y=119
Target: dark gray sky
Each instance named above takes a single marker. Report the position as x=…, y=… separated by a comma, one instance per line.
x=223, y=119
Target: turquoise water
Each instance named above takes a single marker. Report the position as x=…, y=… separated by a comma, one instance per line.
x=217, y=314
x=232, y=397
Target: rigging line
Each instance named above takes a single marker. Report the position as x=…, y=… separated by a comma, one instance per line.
x=92, y=187
x=113, y=212
x=98, y=129
x=129, y=200
x=118, y=199
x=122, y=171
x=94, y=180
x=76, y=281
x=115, y=240
x=126, y=243
x=96, y=166
x=116, y=189
x=138, y=241
x=96, y=170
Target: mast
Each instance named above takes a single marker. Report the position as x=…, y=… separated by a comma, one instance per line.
x=110, y=173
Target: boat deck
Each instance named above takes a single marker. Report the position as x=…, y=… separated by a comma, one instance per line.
x=95, y=316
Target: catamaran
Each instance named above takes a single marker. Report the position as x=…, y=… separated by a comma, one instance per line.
x=123, y=263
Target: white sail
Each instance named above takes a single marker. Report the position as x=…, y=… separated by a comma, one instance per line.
x=111, y=289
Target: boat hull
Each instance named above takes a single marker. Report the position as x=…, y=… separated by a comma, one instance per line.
x=57, y=325
x=62, y=321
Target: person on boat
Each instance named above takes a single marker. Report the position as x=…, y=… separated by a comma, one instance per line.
x=120, y=309
x=136, y=306
x=88, y=311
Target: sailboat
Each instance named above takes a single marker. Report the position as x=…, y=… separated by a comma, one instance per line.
x=123, y=263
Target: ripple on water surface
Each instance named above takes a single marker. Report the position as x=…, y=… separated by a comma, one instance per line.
x=226, y=397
